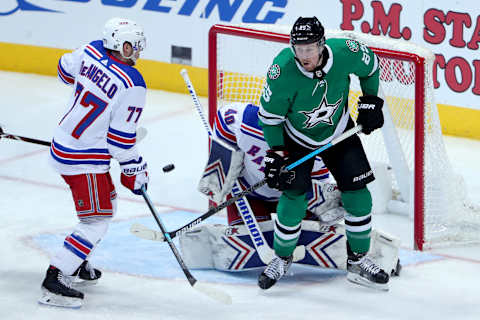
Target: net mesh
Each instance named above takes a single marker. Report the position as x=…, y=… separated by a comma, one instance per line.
x=448, y=215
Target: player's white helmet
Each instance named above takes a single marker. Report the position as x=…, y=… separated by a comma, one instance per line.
x=117, y=31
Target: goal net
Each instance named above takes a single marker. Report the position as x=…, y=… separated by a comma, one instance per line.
x=410, y=145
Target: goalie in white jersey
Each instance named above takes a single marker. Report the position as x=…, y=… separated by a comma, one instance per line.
x=99, y=123
x=236, y=125
x=239, y=246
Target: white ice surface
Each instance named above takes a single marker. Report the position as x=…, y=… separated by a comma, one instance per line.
x=35, y=201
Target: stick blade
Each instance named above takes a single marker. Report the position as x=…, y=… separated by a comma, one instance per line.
x=215, y=294
x=142, y=232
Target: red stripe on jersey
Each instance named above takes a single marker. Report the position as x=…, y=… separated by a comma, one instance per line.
x=252, y=130
x=81, y=156
x=64, y=76
x=320, y=172
x=223, y=132
x=122, y=74
x=120, y=139
x=94, y=51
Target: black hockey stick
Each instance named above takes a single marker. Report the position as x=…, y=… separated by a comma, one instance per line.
x=141, y=133
x=214, y=210
x=204, y=288
x=20, y=138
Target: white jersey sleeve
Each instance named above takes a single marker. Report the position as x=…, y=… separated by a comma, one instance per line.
x=69, y=66
x=121, y=136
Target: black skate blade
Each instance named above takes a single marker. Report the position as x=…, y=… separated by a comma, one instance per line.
x=357, y=279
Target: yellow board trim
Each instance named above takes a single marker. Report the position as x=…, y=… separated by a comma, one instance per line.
x=456, y=121
x=44, y=60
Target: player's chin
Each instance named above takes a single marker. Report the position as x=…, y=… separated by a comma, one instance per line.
x=308, y=66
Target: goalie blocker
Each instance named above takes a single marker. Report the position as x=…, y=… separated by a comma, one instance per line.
x=230, y=248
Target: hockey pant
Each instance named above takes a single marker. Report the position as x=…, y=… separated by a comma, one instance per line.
x=95, y=202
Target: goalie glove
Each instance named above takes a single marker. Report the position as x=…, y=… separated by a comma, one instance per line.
x=275, y=173
x=370, y=114
x=134, y=175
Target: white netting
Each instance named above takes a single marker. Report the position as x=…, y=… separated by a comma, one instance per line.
x=241, y=67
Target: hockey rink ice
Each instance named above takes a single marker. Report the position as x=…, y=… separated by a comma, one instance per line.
x=142, y=280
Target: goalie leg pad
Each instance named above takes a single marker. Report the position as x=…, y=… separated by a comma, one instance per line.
x=230, y=248
x=196, y=246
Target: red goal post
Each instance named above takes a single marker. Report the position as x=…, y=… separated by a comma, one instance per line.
x=412, y=129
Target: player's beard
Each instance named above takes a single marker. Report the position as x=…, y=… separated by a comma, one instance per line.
x=309, y=65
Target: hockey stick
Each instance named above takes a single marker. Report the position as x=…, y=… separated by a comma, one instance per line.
x=257, y=185
x=20, y=138
x=141, y=133
x=198, y=106
x=215, y=294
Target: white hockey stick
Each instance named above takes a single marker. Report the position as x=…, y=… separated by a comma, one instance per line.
x=199, y=109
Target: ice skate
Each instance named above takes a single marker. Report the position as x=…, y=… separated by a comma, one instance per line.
x=274, y=271
x=86, y=275
x=57, y=290
x=363, y=271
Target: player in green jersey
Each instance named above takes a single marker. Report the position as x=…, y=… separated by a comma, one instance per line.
x=304, y=105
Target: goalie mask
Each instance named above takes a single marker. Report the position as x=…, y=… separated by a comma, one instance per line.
x=117, y=31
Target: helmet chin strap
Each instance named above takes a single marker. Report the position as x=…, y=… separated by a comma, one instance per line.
x=132, y=57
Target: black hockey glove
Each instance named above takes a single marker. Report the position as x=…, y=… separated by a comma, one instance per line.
x=370, y=114
x=275, y=173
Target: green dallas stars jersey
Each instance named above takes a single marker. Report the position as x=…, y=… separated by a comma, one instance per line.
x=314, y=111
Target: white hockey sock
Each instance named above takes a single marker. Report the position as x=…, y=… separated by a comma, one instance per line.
x=78, y=245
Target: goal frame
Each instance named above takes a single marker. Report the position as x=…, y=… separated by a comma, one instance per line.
x=419, y=125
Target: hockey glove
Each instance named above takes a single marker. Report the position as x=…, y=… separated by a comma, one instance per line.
x=275, y=173
x=134, y=175
x=370, y=114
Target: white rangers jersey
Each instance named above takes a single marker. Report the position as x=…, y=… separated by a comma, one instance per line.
x=237, y=125
x=101, y=117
